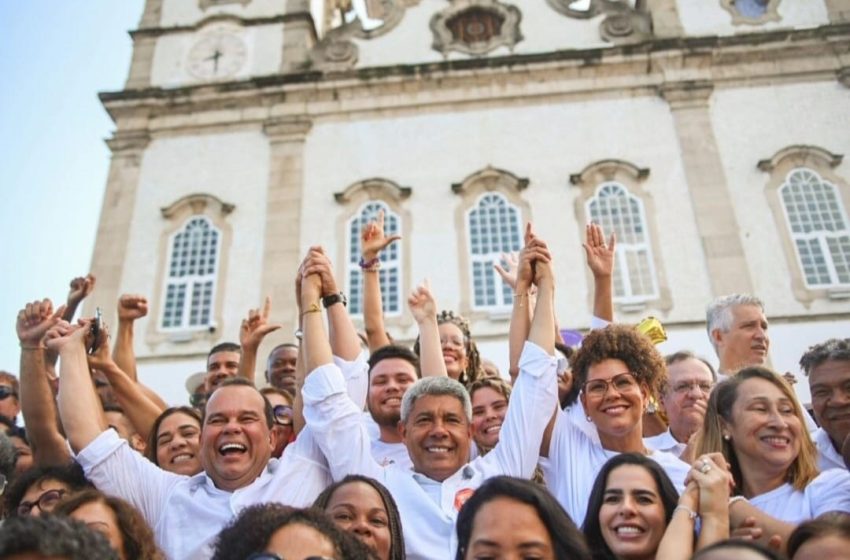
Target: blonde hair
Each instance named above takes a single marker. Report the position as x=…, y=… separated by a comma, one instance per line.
x=802, y=471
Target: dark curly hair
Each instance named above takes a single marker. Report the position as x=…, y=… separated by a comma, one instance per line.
x=251, y=531
x=397, y=551
x=54, y=537
x=135, y=532
x=71, y=474
x=473, y=367
x=624, y=343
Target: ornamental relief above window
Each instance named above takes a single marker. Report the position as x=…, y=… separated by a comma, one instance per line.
x=476, y=27
x=626, y=21
x=752, y=12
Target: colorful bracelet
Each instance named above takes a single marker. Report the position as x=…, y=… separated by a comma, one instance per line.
x=371, y=264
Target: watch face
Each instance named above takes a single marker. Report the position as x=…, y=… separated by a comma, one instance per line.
x=217, y=55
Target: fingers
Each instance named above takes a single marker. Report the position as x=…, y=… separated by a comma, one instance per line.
x=267, y=307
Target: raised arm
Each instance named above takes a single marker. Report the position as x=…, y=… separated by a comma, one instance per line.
x=251, y=333
x=139, y=409
x=37, y=401
x=520, y=281
x=80, y=288
x=130, y=308
x=424, y=310
x=79, y=405
x=373, y=240
x=600, y=261
x=345, y=344
x=542, y=331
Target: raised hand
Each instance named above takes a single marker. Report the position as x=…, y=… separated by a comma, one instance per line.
x=508, y=274
x=600, y=255
x=421, y=303
x=64, y=336
x=101, y=358
x=373, y=239
x=132, y=307
x=34, y=320
x=257, y=326
x=80, y=287
x=319, y=263
x=535, y=253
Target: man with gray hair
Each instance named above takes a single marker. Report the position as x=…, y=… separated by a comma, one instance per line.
x=737, y=328
x=827, y=365
x=436, y=418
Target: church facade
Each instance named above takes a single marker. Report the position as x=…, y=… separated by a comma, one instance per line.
x=708, y=135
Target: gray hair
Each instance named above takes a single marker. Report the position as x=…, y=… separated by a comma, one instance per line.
x=435, y=386
x=833, y=349
x=718, y=314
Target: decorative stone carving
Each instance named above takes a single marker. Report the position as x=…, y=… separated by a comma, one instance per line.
x=623, y=23
x=492, y=179
x=204, y=4
x=476, y=27
x=197, y=204
x=752, y=12
x=376, y=189
x=337, y=51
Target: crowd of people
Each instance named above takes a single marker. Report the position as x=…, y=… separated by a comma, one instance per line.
x=359, y=447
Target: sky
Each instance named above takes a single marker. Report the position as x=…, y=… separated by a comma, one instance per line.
x=55, y=56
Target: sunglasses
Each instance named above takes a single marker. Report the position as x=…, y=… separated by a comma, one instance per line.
x=6, y=392
x=283, y=415
x=45, y=502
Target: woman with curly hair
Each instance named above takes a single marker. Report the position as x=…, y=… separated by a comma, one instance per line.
x=121, y=524
x=463, y=362
x=364, y=507
x=275, y=529
x=755, y=421
x=617, y=368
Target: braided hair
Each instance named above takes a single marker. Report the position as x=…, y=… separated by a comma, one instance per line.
x=473, y=367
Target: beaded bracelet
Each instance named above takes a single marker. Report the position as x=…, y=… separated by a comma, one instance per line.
x=734, y=499
x=691, y=513
x=371, y=265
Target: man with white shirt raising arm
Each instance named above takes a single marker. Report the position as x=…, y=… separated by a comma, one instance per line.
x=186, y=513
x=436, y=418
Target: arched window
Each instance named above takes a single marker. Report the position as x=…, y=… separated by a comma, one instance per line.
x=620, y=212
x=819, y=228
x=494, y=227
x=191, y=278
x=390, y=272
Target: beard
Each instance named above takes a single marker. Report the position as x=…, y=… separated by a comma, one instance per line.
x=384, y=418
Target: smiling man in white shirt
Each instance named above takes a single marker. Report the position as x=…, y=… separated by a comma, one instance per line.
x=737, y=328
x=827, y=366
x=186, y=513
x=435, y=419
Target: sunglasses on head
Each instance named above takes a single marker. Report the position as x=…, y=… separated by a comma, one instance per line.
x=6, y=391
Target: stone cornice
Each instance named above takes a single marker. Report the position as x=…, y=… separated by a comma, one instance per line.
x=643, y=69
x=687, y=93
x=128, y=141
x=287, y=128
x=219, y=18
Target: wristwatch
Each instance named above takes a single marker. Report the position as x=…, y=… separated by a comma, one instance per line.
x=332, y=299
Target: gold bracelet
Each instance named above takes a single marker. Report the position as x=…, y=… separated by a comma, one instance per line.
x=33, y=347
x=518, y=294
x=314, y=308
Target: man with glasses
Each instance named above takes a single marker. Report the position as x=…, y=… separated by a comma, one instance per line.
x=10, y=406
x=39, y=490
x=684, y=396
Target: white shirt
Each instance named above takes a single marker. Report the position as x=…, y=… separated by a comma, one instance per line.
x=828, y=457
x=187, y=513
x=665, y=442
x=830, y=491
x=429, y=508
x=391, y=454
x=811, y=425
x=575, y=460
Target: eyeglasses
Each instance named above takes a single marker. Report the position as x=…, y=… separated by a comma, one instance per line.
x=273, y=556
x=685, y=387
x=6, y=392
x=283, y=415
x=45, y=502
x=622, y=383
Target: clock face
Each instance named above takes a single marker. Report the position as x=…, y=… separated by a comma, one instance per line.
x=216, y=56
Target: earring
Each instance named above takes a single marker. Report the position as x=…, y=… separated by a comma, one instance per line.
x=727, y=437
x=589, y=419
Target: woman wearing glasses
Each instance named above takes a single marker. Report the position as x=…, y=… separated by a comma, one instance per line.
x=282, y=430
x=174, y=440
x=617, y=369
x=39, y=489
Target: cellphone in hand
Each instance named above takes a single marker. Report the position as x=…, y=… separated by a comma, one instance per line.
x=95, y=330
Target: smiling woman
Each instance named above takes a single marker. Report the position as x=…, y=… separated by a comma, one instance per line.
x=174, y=440
x=755, y=421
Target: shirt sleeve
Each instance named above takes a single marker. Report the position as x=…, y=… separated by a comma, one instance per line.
x=334, y=421
x=115, y=469
x=598, y=323
x=356, y=376
x=830, y=492
x=533, y=401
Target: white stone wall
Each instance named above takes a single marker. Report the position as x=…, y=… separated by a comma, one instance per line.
x=707, y=17
x=264, y=49
x=752, y=124
x=189, y=12
x=233, y=167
